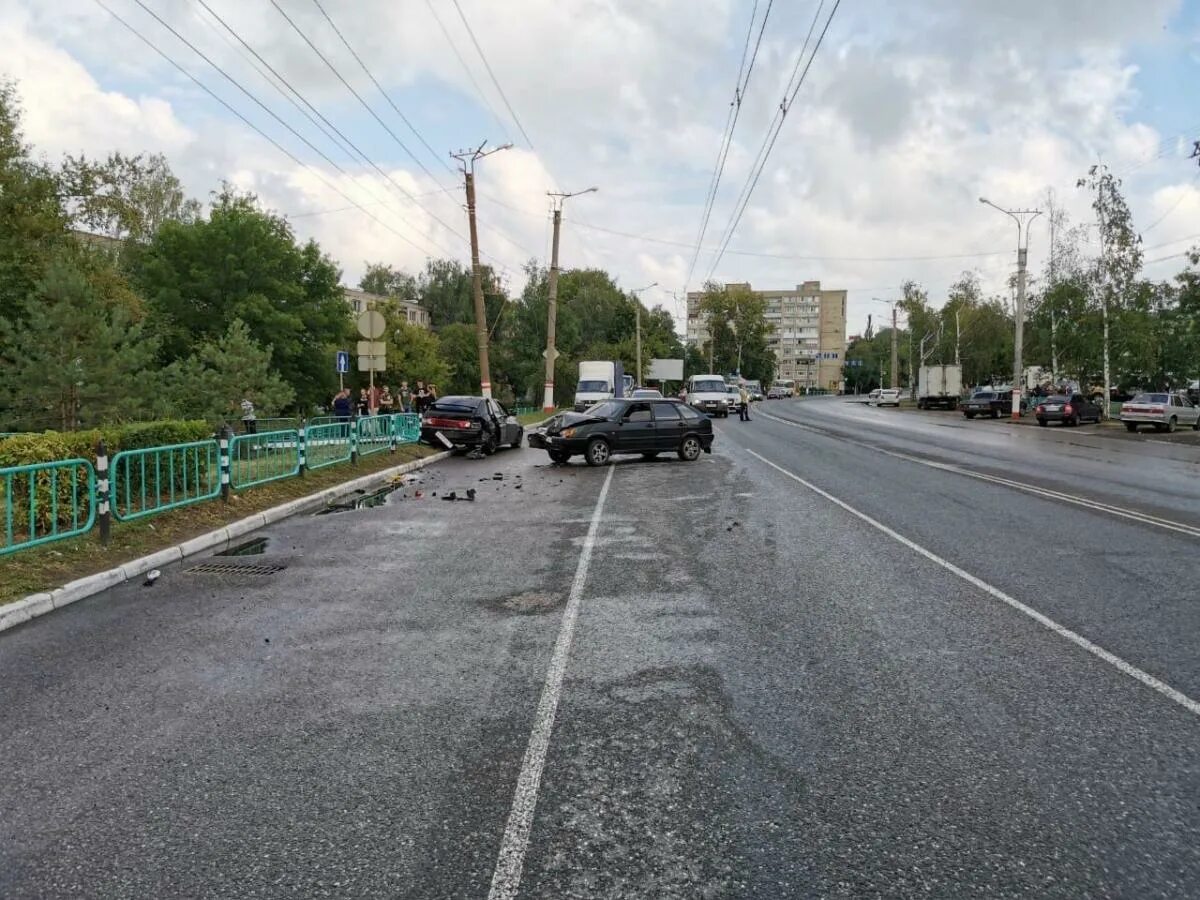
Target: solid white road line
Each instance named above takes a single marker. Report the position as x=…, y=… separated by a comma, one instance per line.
x=1119, y=511
x=507, y=878
x=1079, y=640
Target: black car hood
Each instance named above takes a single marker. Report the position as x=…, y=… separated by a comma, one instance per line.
x=567, y=419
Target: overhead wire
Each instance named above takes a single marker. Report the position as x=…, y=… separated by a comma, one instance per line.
x=495, y=82
x=773, y=135
x=275, y=115
x=386, y=96
x=470, y=75
x=735, y=108
x=221, y=100
x=1183, y=195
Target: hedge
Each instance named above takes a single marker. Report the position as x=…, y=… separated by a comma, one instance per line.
x=52, y=446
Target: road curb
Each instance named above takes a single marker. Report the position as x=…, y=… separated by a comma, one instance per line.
x=21, y=611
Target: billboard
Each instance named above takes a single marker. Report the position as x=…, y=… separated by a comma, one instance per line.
x=665, y=370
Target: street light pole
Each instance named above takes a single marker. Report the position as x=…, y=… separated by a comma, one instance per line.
x=1023, y=224
x=558, y=199
x=638, y=311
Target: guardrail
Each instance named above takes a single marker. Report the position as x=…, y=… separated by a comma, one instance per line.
x=374, y=433
x=46, y=502
x=408, y=427
x=153, y=480
x=259, y=458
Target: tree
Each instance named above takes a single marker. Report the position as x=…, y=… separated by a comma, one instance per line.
x=244, y=263
x=461, y=355
x=738, y=331
x=126, y=197
x=211, y=383
x=79, y=363
x=1120, y=260
x=414, y=353
x=387, y=281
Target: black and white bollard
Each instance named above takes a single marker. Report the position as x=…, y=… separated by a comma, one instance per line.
x=223, y=437
x=103, y=499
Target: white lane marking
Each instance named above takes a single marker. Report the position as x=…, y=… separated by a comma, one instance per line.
x=1119, y=511
x=507, y=878
x=1079, y=640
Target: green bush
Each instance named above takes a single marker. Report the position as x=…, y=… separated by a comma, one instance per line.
x=51, y=446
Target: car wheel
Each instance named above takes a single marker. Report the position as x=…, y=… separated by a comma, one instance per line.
x=995, y=413
x=1131, y=427
x=690, y=449
x=649, y=454
x=1196, y=424
x=598, y=452
x=488, y=445
x=1171, y=423
x=1075, y=421
x=559, y=456
x=516, y=445
x=1041, y=421
x=969, y=415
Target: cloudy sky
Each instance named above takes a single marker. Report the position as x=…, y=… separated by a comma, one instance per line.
x=910, y=111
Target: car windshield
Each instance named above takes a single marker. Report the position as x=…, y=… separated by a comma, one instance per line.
x=608, y=409
x=593, y=387
x=708, y=387
x=1151, y=398
x=647, y=394
x=1057, y=398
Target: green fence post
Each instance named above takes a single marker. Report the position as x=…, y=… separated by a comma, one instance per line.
x=223, y=437
x=103, y=498
x=300, y=441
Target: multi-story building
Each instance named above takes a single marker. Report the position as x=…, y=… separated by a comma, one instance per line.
x=808, y=332
x=358, y=301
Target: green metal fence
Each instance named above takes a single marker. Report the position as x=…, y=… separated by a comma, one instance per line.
x=374, y=434
x=153, y=480
x=259, y=458
x=407, y=427
x=326, y=444
x=46, y=502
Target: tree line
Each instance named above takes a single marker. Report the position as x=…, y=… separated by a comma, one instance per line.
x=1090, y=302
x=122, y=299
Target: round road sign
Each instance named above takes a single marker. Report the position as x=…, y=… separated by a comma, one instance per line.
x=371, y=324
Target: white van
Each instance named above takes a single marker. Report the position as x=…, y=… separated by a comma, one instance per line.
x=709, y=394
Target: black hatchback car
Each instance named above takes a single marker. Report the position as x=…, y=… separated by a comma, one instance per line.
x=990, y=403
x=648, y=427
x=457, y=423
x=1067, y=409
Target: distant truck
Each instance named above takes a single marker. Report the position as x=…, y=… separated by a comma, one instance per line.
x=599, y=381
x=939, y=386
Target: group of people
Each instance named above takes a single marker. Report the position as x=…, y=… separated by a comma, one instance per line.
x=382, y=400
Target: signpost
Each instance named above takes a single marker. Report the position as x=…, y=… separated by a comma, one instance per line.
x=372, y=353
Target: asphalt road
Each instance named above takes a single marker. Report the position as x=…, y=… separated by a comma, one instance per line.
x=809, y=665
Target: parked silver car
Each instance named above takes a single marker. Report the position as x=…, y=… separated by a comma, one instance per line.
x=1164, y=411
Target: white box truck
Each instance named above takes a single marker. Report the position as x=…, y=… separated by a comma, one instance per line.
x=939, y=386
x=598, y=380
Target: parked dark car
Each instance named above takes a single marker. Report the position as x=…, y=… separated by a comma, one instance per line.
x=457, y=423
x=648, y=427
x=1067, y=409
x=990, y=403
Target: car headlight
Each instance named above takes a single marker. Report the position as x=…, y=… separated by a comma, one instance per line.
x=567, y=433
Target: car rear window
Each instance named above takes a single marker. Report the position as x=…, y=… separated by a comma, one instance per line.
x=461, y=405
x=667, y=411
x=983, y=395
x=689, y=414
x=1150, y=398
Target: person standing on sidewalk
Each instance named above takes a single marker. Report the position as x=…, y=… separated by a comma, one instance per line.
x=744, y=395
x=249, y=421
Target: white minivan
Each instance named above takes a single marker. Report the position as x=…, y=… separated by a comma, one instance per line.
x=709, y=394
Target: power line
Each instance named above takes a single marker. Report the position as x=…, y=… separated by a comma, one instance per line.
x=254, y=127
x=1174, y=206
x=462, y=62
x=512, y=112
x=379, y=87
x=780, y=116
x=739, y=92
x=270, y=111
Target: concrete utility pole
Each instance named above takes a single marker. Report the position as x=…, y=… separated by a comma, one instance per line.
x=957, y=338
x=552, y=297
x=1023, y=223
x=895, y=351
x=638, y=310
x=1055, y=214
x=467, y=159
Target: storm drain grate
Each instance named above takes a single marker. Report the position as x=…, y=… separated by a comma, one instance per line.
x=251, y=570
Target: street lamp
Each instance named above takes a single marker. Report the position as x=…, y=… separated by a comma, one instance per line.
x=1023, y=223
x=638, y=308
x=552, y=297
x=895, y=346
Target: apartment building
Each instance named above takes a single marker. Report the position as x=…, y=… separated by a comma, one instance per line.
x=808, y=335
x=357, y=300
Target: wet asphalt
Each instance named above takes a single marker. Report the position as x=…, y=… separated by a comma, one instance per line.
x=765, y=696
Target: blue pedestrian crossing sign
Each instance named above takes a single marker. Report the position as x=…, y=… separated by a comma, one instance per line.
x=343, y=361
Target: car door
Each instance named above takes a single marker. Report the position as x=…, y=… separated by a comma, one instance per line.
x=507, y=428
x=636, y=429
x=1189, y=413
x=668, y=426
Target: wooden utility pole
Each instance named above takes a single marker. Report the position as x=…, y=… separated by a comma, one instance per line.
x=467, y=159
